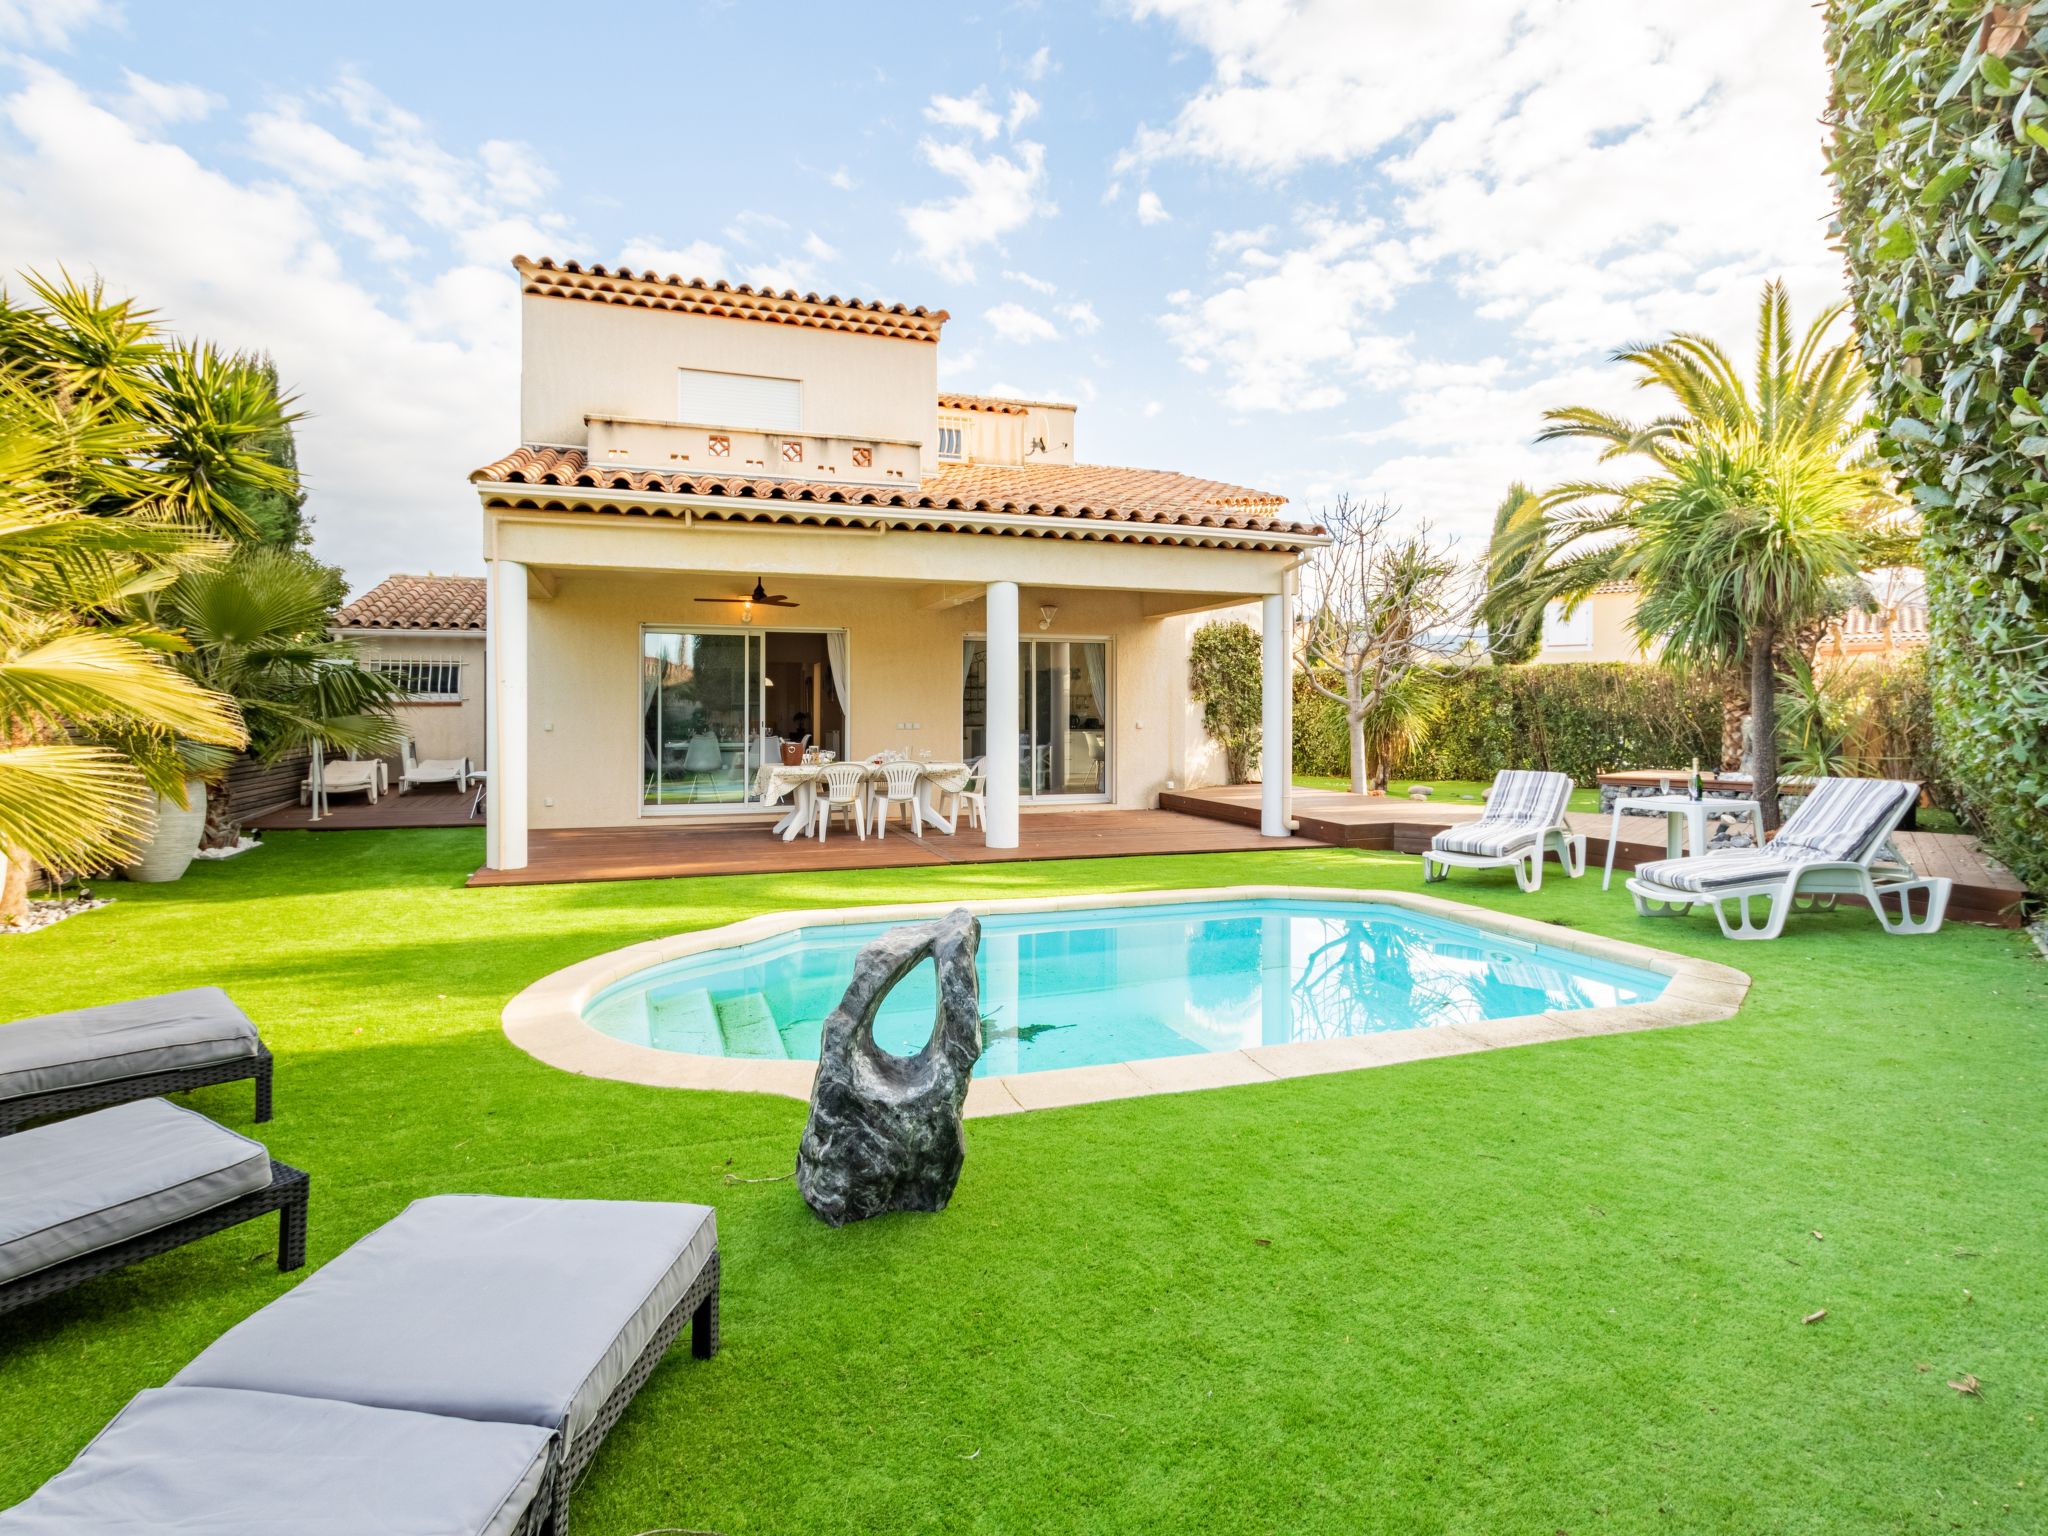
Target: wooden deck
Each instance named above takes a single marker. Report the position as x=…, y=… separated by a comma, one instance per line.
x=662, y=852
x=424, y=807
x=1985, y=891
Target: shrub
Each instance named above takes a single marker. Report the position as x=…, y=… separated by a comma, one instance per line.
x=1940, y=158
x=1580, y=719
x=1224, y=678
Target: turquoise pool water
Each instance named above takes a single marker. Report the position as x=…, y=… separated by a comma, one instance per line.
x=1107, y=984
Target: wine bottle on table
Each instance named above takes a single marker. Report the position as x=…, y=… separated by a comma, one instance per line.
x=1698, y=790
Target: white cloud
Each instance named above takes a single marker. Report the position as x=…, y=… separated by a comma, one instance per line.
x=842, y=178
x=1603, y=169
x=1035, y=284
x=50, y=23
x=999, y=193
x=1082, y=317
x=1023, y=107
x=970, y=112
x=1304, y=334
x=157, y=101
x=700, y=258
x=408, y=389
x=1150, y=209
x=1153, y=408
x=1036, y=66
x=1013, y=322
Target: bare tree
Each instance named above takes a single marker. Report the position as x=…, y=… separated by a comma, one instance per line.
x=1374, y=597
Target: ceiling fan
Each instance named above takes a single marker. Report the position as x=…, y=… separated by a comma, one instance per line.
x=759, y=596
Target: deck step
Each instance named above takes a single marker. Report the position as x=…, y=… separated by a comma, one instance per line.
x=747, y=1024
x=685, y=1021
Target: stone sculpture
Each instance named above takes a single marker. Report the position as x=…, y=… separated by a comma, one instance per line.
x=884, y=1131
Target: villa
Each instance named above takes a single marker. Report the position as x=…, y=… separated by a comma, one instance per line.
x=737, y=518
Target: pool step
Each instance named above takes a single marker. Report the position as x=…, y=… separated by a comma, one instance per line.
x=748, y=1026
x=685, y=1021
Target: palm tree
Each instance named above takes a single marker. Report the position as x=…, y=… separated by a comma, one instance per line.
x=1513, y=631
x=257, y=630
x=1760, y=502
x=74, y=677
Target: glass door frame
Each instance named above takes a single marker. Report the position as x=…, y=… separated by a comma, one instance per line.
x=756, y=707
x=1027, y=679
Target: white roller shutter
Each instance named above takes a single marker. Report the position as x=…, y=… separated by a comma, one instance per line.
x=740, y=400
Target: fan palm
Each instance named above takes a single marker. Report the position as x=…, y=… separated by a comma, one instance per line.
x=71, y=673
x=257, y=628
x=1760, y=501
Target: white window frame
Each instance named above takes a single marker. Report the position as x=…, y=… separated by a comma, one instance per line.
x=1107, y=794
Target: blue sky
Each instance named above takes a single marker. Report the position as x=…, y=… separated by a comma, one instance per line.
x=1315, y=246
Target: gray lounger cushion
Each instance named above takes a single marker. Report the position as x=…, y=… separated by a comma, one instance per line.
x=177, y=1031
x=255, y=1464
x=477, y=1307
x=86, y=1183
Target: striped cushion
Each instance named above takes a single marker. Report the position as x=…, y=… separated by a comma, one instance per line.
x=1716, y=871
x=1841, y=821
x=1844, y=819
x=1522, y=806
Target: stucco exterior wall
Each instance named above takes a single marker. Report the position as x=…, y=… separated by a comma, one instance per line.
x=1604, y=619
x=905, y=687
x=581, y=358
x=440, y=730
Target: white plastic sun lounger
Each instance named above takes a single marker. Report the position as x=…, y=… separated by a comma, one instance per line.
x=1833, y=845
x=1523, y=820
x=435, y=770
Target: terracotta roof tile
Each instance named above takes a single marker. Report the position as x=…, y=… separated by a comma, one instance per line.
x=418, y=602
x=1073, y=499
x=1000, y=405
x=548, y=278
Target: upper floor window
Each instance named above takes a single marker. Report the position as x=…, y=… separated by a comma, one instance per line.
x=748, y=400
x=1566, y=633
x=424, y=680
x=952, y=439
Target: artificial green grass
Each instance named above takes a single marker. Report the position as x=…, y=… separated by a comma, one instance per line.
x=1448, y=791
x=1556, y=1288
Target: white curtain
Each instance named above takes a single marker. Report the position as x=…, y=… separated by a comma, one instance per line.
x=1094, y=657
x=650, y=674
x=835, y=663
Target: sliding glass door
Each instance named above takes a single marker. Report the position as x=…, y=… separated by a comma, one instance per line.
x=715, y=704
x=700, y=697
x=1063, y=715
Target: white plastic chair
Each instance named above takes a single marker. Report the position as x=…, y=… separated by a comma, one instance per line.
x=971, y=799
x=895, y=785
x=843, y=793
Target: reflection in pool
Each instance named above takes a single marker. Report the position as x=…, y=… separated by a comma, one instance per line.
x=1108, y=984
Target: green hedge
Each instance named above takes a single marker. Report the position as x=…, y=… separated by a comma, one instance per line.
x=1941, y=163
x=1583, y=719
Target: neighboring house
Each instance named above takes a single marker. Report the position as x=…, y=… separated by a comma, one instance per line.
x=429, y=632
x=953, y=581
x=1598, y=629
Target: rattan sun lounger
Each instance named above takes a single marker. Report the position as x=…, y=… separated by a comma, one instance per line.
x=110, y=1054
x=199, y=1459
x=546, y=1313
x=94, y=1194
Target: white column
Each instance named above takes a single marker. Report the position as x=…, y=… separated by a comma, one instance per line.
x=506, y=593
x=1003, y=754
x=1276, y=755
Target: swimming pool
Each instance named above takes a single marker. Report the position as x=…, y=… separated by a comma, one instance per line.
x=1093, y=985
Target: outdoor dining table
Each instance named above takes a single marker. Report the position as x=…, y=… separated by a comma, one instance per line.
x=800, y=782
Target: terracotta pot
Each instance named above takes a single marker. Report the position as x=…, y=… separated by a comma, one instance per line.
x=174, y=838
